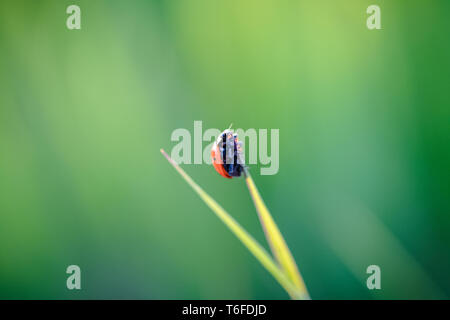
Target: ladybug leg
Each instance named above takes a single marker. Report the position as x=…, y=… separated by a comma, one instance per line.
x=239, y=158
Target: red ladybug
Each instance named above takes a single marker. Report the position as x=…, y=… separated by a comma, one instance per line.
x=226, y=154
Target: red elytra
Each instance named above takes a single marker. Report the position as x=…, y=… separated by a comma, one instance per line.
x=218, y=165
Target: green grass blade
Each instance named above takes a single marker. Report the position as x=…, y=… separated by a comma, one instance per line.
x=252, y=245
x=275, y=239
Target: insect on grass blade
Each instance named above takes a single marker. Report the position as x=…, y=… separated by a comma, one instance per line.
x=252, y=245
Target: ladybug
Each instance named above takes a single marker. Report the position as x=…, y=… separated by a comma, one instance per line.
x=226, y=154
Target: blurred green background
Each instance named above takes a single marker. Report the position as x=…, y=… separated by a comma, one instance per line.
x=364, y=146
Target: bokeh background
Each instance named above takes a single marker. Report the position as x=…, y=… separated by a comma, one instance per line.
x=364, y=146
